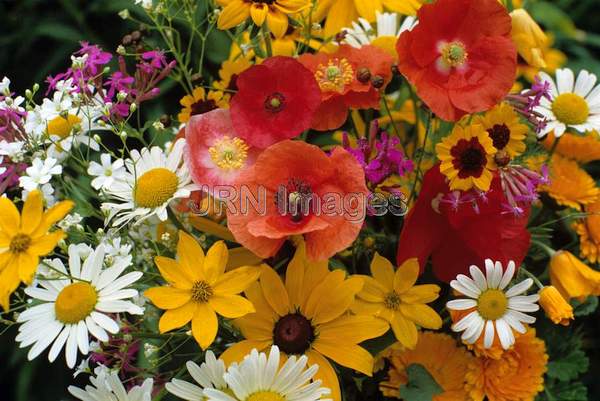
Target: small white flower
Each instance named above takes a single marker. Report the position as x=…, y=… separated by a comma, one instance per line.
x=208, y=375
x=363, y=33
x=47, y=191
x=83, y=367
x=493, y=310
x=5, y=86
x=39, y=173
x=71, y=220
x=14, y=150
x=573, y=103
x=106, y=386
x=146, y=4
x=107, y=172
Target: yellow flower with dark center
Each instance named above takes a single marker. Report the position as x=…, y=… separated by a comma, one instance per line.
x=505, y=129
x=199, y=102
x=24, y=238
x=273, y=12
x=438, y=353
x=583, y=148
x=557, y=309
x=466, y=156
x=518, y=374
x=394, y=297
x=198, y=289
x=573, y=278
x=307, y=314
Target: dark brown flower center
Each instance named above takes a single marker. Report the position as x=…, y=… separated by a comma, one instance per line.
x=203, y=106
x=500, y=135
x=275, y=102
x=294, y=199
x=469, y=158
x=20, y=243
x=293, y=334
x=264, y=1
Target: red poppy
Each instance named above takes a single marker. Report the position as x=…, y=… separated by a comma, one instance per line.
x=462, y=233
x=276, y=100
x=300, y=190
x=460, y=57
x=348, y=78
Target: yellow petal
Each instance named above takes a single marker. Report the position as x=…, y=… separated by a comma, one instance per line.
x=277, y=23
x=291, y=6
x=52, y=215
x=256, y=327
x=255, y=295
x=168, y=297
x=210, y=227
x=237, y=280
x=338, y=301
x=231, y=306
x=28, y=264
x=368, y=8
x=341, y=14
x=361, y=307
x=372, y=291
x=238, y=351
x=422, y=315
x=191, y=255
x=326, y=374
x=258, y=12
x=31, y=216
x=349, y=355
x=175, y=273
x=406, y=7
x=233, y=14
x=215, y=261
x=9, y=281
x=10, y=220
x=352, y=329
x=241, y=256
x=294, y=275
x=44, y=245
x=404, y=330
x=406, y=275
x=383, y=271
x=176, y=318
x=421, y=294
x=204, y=325
x=322, y=291
x=274, y=291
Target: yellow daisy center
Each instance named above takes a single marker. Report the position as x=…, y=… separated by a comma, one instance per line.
x=266, y=396
x=155, y=187
x=454, y=54
x=201, y=291
x=570, y=109
x=75, y=302
x=335, y=75
x=19, y=243
x=61, y=126
x=392, y=301
x=492, y=304
x=229, y=153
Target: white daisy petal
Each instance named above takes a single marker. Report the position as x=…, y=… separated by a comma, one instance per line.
x=505, y=334
x=585, y=83
x=463, y=290
x=519, y=288
x=513, y=320
x=59, y=343
x=508, y=275
x=465, y=322
x=565, y=80
x=461, y=304
x=478, y=277
x=488, y=338
x=473, y=332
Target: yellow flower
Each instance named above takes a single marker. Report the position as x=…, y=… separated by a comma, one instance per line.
x=199, y=103
x=466, y=156
x=505, y=129
x=570, y=185
x=307, y=314
x=529, y=38
x=230, y=70
x=517, y=375
x=394, y=297
x=573, y=278
x=583, y=148
x=24, y=238
x=438, y=353
x=198, y=289
x=341, y=13
x=274, y=12
x=557, y=309
x=553, y=58
x=589, y=233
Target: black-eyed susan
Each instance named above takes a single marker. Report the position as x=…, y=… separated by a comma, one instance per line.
x=273, y=12
x=394, y=297
x=555, y=306
x=307, y=315
x=198, y=289
x=24, y=238
x=505, y=129
x=467, y=158
x=200, y=102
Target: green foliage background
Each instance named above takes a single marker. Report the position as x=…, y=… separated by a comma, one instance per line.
x=37, y=37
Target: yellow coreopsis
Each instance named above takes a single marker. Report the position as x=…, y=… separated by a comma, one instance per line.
x=394, y=297
x=198, y=289
x=24, y=238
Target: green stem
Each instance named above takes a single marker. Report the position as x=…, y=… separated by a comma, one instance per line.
x=267, y=37
x=533, y=277
x=553, y=148
x=544, y=247
x=413, y=191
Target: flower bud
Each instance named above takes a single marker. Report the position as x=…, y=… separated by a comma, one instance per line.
x=557, y=309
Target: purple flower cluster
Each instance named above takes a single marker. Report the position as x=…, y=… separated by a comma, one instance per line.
x=520, y=185
x=526, y=102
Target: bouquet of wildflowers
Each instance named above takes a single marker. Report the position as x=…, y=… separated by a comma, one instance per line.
x=358, y=200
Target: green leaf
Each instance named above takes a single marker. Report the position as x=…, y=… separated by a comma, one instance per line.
x=575, y=391
x=568, y=367
x=421, y=385
x=585, y=308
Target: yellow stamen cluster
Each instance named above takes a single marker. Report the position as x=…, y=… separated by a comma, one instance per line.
x=570, y=109
x=392, y=301
x=265, y=396
x=201, y=291
x=75, y=302
x=20, y=243
x=454, y=54
x=334, y=76
x=229, y=153
x=155, y=187
x=492, y=304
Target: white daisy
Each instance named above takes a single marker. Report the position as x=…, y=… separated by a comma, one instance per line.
x=491, y=306
x=208, y=375
x=107, y=172
x=39, y=173
x=106, y=386
x=572, y=104
x=5, y=86
x=75, y=303
x=386, y=34
x=259, y=377
x=153, y=179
